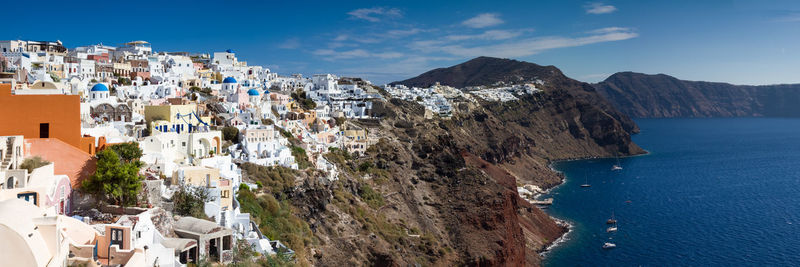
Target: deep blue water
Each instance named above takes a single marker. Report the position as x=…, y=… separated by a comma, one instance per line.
x=711, y=192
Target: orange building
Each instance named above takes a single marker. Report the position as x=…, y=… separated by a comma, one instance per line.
x=70, y=161
x=43, y=116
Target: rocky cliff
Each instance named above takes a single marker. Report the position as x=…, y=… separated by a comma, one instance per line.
x=663, y=96
x=442, y=192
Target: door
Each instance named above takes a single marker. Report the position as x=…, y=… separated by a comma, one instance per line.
x=44, y=130
x=116, y=238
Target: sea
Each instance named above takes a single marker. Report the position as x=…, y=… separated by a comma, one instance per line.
x=710, y=192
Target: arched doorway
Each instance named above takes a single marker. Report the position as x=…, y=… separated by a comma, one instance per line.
x=205, y=146
x=216, y=145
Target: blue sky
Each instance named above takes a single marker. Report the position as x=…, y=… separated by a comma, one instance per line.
x=742, y=42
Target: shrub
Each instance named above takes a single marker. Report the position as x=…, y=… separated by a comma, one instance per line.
x=278, y=180
x=33, y=163
x=276, y=220
x=190, y=201
x=373, y=198
x=300, y=157
x=230, y=133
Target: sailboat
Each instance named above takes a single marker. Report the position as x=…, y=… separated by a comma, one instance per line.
x=586, y=184
x=612, y=228
x=612, y=220
x=618, y=166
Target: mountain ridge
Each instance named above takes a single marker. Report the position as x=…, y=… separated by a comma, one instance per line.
x=487, y=71
x=664, y=96
x=479, y=71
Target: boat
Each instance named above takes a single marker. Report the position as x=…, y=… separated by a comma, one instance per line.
x=586, y=184
x=612, y=220
x=618, y=166
x=609, y=245
x=612, y=229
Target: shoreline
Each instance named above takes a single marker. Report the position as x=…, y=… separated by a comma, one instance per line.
x=563, y=222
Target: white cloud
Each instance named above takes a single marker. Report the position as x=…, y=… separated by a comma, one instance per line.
x=483, y=20
x=402, y=33
x=291, y=43
x=599, y=8
x=387, y=55
x=531, y=46
x=331, y=54
x=428, y=46
x=609, y=30
x=341, y=37
x=487, y=35
x=375, y=14
x=386, y=72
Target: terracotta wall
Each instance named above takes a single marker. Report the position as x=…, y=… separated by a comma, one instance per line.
x=22, y=114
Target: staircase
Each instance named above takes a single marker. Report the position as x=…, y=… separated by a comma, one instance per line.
x=9, y=154
x=222, y=217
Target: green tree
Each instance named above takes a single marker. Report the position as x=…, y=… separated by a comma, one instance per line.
x=340, y=121
x=128, y=152
x=124, y=81
x=115, y=181
x=230, y=133
x=191, y=200
x=308, y=104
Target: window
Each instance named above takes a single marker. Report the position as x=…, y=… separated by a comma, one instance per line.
x=44, y=130
x=30, y=197
x=10, y=182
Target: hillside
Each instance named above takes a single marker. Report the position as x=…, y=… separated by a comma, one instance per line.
x=485, y=71
x=438, y=192
x=663, y=96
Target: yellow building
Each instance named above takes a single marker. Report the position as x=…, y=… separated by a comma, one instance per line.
x=355, y=140
x=225, y=194
x=206, y=177
x=206, y=74
x=196, y=176
x=174, y=118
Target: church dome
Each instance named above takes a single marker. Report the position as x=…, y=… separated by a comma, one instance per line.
x=99, y=88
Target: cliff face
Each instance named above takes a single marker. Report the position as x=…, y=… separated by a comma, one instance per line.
x=663, y=96
x=448, y=187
